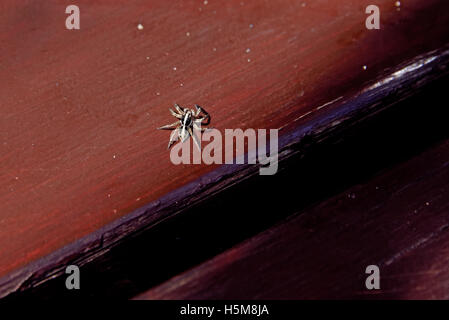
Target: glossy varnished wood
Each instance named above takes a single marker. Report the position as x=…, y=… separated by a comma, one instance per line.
x=79, y=109
x=397, y=221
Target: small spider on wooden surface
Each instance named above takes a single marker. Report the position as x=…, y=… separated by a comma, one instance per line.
x=189, y=120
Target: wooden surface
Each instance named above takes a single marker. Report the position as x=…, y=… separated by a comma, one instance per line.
x=393, y=213
x=79, y=109
x=397, y=221
x=359, y=151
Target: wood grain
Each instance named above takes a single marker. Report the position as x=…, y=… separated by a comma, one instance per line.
x=397, y=221
x=126, y=258
x=79, y=149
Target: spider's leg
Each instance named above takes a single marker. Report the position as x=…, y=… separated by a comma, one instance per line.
x=169, y=126
x=195, y=138
x=205, y=117
x=198, y=127
x=174, y=114
x=179, y=109
x=174, y=136
x=201, y=110
x=198, y=110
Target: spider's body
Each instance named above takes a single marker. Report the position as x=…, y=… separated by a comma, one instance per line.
x=188, y=121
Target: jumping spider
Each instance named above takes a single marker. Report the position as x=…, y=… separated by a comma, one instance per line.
x=189, y=120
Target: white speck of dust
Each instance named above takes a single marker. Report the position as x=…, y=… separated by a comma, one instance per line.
x=248, y=50
x=174, y=68
x=398, y=5
x=139, y=26
x=114, y=156
x=365, y=67
x=188, y=34
x=303, y=4
x=148, y=58
x=138, y=199
x=109, y=195
x=158, y=93
x=17, y=178
x=249, y=60
x=205, y=2
x=427, y=204
x=181, y=84
x=251, y=26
